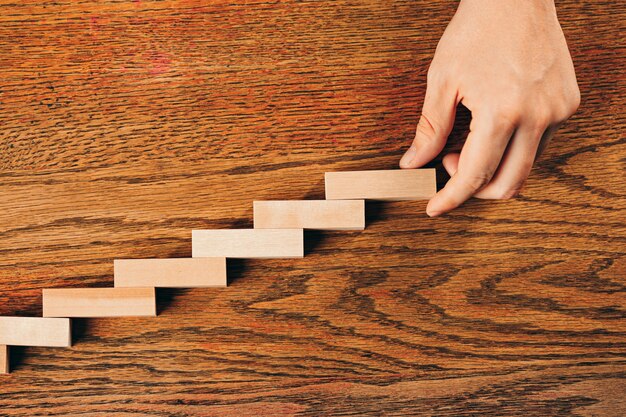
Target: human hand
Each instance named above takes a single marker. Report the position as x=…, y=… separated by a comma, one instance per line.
x=507, y=62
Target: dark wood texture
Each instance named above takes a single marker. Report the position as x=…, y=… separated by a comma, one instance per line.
x=125, y=124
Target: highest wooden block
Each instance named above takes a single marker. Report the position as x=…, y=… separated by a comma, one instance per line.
x=172, y=273
x=310, y=214
x=35, y=331
x=99, y=302
x=248, y=243
x=391, y=185
x=4, y=359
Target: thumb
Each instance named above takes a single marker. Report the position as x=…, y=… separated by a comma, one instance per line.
x=433, y=128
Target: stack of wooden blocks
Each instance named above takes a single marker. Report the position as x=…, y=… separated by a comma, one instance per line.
x=278, y=233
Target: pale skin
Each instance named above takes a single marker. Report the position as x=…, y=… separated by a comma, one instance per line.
x=507, y=62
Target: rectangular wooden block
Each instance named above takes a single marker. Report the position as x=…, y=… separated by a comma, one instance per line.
x=248, y=243
x=4, y=359
x=170, y=273
x=391, y=185
x=35, y=331
x=310, y=214
x=99, y=302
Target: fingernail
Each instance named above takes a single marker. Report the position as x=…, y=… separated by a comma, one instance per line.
x=434, y=213
x=408, y=157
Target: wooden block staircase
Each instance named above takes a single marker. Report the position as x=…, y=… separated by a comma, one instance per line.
x=278, y=233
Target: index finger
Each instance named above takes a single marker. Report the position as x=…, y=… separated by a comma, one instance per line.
x=479, y=160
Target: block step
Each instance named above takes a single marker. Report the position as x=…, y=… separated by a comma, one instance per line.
x=310, y=214
x=99, y=302
x=248, y=243
x=170, y=273
x=386, y=185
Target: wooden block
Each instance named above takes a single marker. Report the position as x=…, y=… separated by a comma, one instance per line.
x=4, y=359
x=35, y=331
x=391, y=185
x=248, y=243
x=310, y=214
x=172, y=273
x=99, y=302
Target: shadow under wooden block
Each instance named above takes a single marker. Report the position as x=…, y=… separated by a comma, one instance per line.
x=170, y=273
x=99, y=302
x=248, y=243
x=165, y=298
x=80, y=328
x=17, y=355
x=390, y=185
x=375, y=211
x=312, y=240
x=35, y=331
x=236, y=269
x=310, y=214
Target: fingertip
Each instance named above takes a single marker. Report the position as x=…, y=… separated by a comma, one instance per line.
x=408, y=159
x=431, y=213
x=434, y=208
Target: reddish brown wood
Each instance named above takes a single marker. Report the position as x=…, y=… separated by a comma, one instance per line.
x=126, y=124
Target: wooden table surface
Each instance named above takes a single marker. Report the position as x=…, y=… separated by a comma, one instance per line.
x=126, y=124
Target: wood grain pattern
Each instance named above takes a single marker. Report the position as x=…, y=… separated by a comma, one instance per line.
x=170, y=273
x=99, y=302
x=35, y=331
x=127, y=124
x=309, y=214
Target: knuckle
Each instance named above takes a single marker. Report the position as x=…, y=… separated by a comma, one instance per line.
x=540, y=118
x=426, y=126
x=568, y=107
x=509, y=193
x=506, y=121
x=574, y=103
x=435, y=76
x=512, y=191
x=507, y=114
x=476, y=181
x=541, y=122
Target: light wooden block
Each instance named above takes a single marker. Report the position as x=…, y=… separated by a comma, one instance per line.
x=170, y=273
x=390, y=185
x=4, y=359
x=99, y=302
x=35, y=331
x=248, y=243
x=310, y=214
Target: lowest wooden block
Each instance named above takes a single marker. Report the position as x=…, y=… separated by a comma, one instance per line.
x=99, y=302
x=248, y=243
x=35, y=331
x=391, y=185
x=4, y=359
x=172, y=273
x=310, y=214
